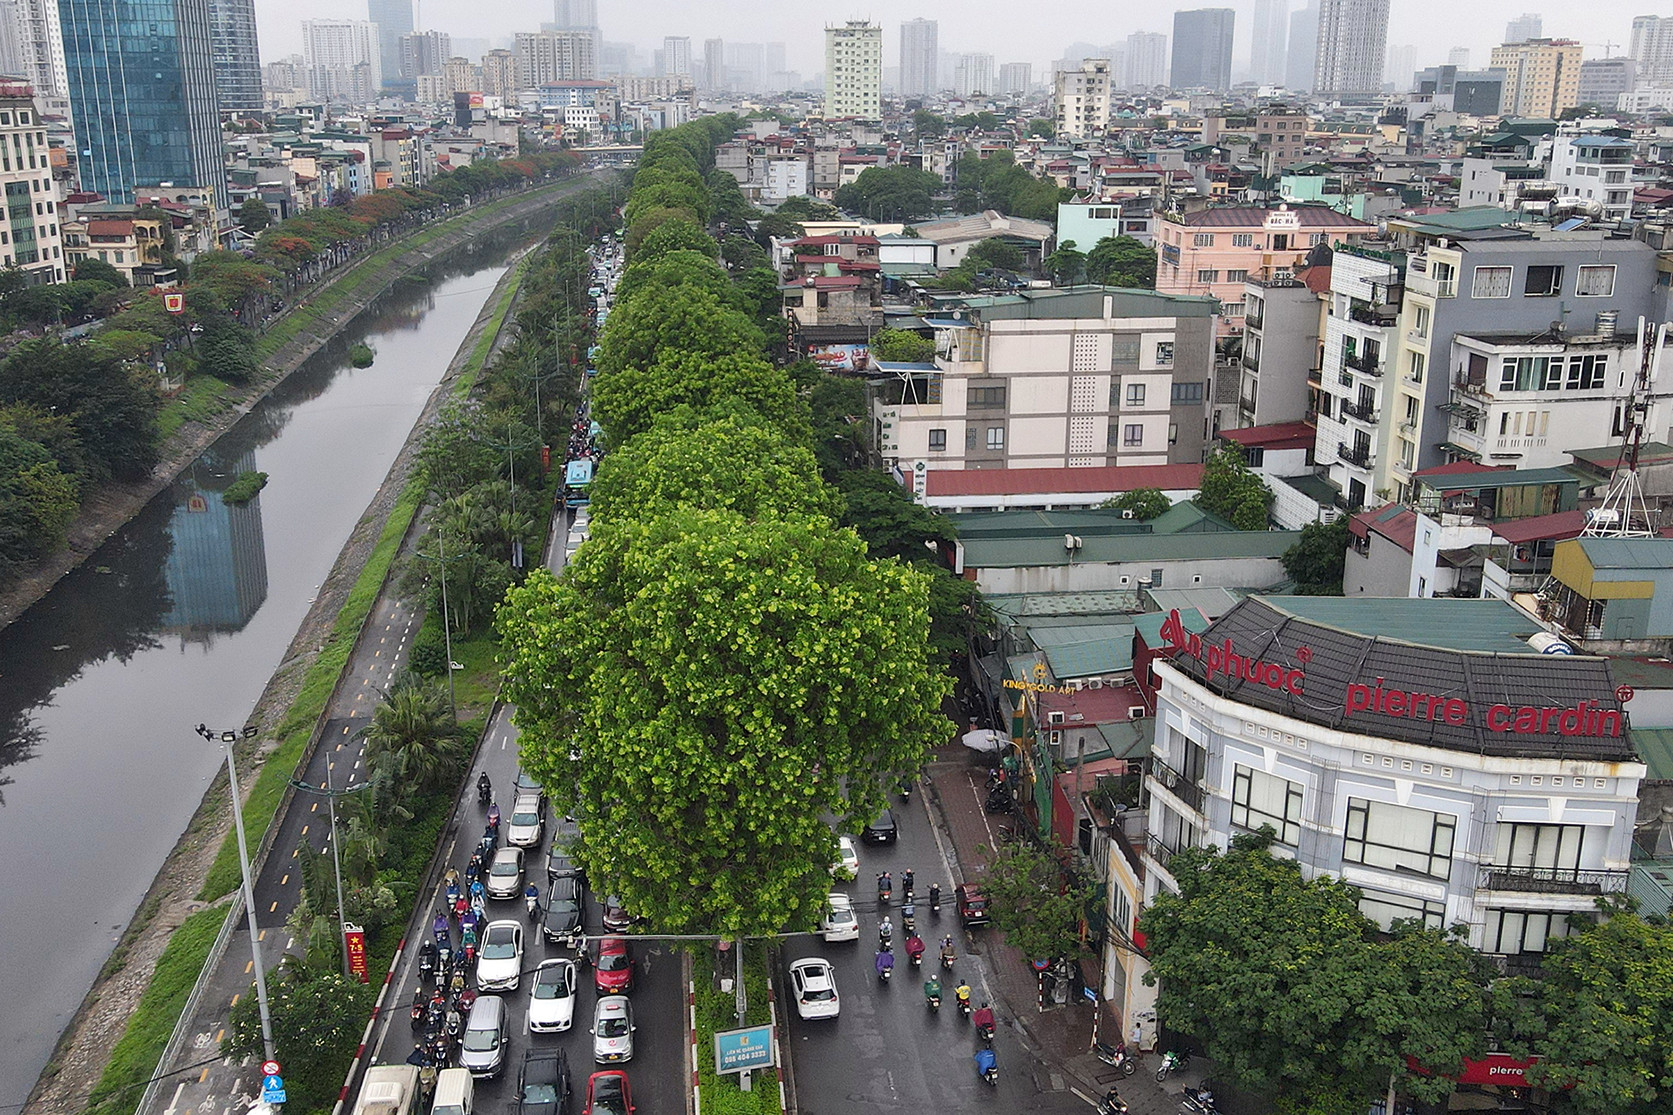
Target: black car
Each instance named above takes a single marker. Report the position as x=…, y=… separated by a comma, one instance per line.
x=565, y=904
x=560, y=862
x=543, y=1085
x=880, y=831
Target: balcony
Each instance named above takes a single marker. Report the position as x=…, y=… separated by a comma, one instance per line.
x=1176, y=784
x=1382, y=318
x=1362, y=411
x=1253, y=321
x=1550, y=880
x=1159, y=851
x=1526, y=965
x=1366, y=363
x=1353, y=454
x=1419, y=281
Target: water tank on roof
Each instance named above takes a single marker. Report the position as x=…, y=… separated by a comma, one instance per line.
x=1547, y=643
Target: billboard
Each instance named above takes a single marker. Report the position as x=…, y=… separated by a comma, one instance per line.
x=744, y=1050
x=840, y=358
x=354, y=945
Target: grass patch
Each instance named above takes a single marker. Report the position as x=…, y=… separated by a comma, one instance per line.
x=134, y=1057
x=244, y=489
x=485, y=343
x=202, y=398
x=717, y=1010
x=361, y=355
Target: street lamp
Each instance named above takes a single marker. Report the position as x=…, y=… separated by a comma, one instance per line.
x=227, y=739
x=331, y=797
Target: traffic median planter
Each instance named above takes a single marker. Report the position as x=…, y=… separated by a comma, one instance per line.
x=716, y=1010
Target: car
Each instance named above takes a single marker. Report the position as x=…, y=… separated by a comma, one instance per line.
x=552, y=997
x=527, y=821
x=505, y=874
x=613, y=970
x=815, y=987
x=499, y=959
x=608, y=1094
x=482, y=1050
x=543, y=1083
x=847, y=865
x=972, y=905
x=560, y=863
x=839, y=923
x=880, y=831
x=525, y=783
x=564, y=904
x=616, y=917
x=613, y=1030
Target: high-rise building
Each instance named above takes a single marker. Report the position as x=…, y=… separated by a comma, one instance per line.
x=424, y=52
x=1147, y=61
x=1303, y=48
x=714, y=65
x=343, y=59
x=393, y=19
x=235, y=55
x=1459, y=56
x=676, y=56
x=974, y=74
x=1603, y=80
x=774, y=59
x=1348, y=60
x=919, y=47
x=1081, y=98
x=1270, y=34
x=1015, y=77
x=579, y=15
x=1202, y=49
x=548, y=56
x=1542, y=76
x=38, y=45
x=162, y=122
x=1520, y=30
x=854, y=70
x=499, y=74
x=34, y=243
x=1651, y=49
x=746, y=62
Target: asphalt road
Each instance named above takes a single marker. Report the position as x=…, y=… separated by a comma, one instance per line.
x=887, y=1051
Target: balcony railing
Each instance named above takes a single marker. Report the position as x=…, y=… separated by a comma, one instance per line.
x=1550, y=880
x=1159, y=851
x=1370, y=315
x=1253, y=321
x=1176, y=784
x=1420, y=281
x=1363, y=412
x=1353, y=454
x=1528, y=965
x=1250, y=360
x=1367, y=363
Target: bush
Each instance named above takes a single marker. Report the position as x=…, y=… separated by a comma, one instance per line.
x=429, y=651
x=361, y=355
x=244, y=489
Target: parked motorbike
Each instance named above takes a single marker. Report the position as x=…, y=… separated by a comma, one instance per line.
x=1172, y=1061
x=1200, y=1101
x=1117, y=1056
x=1111, y=1103
x=999, y=801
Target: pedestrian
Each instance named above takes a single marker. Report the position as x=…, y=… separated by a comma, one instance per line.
x=1138, y=1033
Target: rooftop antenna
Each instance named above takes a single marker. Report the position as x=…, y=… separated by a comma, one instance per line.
x=1624, y=513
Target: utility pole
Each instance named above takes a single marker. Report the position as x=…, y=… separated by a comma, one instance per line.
x=331, y=797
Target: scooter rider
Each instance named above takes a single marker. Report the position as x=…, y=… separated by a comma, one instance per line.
x=962, y=993
x=948, y=953
x=915, y=949
x=885, y=964
x=885, y=933
x=484, y=788
x=932, y=993
x=531, y=899
x=983, y=1021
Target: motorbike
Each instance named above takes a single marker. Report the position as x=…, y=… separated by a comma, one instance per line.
x=1172, y=1061
x=906, y=885
x=531, y=899
x=998, y=801
x=984, y=1025
x=455, y=1025
x=932, y=994
x=426, y=960
x=1199, y=1101
x=435, y=1015
x=885, y=965
x=987, y=1066
x=935, y=899
x=418, y=1008
x=1111, y=1103
x=948, y=953
x=908, y=915
x=494, y=817
x=915, y=950
x=963, y=1005
x=1117, y=1056
x=885, y=887
x=484, y=790
x=885, y=935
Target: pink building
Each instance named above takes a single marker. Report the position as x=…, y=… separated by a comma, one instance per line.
x=1212, y=251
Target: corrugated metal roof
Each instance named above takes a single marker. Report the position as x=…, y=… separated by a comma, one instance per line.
x=1655, y=746
x=1091, y=659
x=1029, y=481
x=1149, y=626
x=1628, y=553
x=1046, y=637
x=1487, y=625
x=1015, y=553
x=1652, y=884
x=1211, y=602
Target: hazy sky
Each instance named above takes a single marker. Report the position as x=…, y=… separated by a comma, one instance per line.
x=1010, y=31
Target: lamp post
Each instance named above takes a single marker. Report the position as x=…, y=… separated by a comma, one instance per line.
x=228, y=739
x=331, y=797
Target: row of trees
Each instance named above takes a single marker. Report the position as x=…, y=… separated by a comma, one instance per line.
x=723, y=665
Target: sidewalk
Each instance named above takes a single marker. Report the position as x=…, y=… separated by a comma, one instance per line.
x=1061, y=1037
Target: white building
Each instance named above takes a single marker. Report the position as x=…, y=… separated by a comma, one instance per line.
x=1015, y=77
x=1355, y=400
x=1651, y=49
x=854, y=71
x=1349, y=55
x=1081, y=99
x=920, y=53
x=973, y=74
x=547, y=56
x=1147, y=60
x=1595, y=167
x=676, y=56
x=786, y=177
x=342, y=59
x=33, y=240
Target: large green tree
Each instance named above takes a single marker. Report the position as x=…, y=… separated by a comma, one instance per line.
x=628, y=402
x=412, y=739
x=903, y=345
x=317, y=1020
x=890, y=193
x=710, y=689
x=113, y=411
x=1316, y=561
x=1121, y=261
x=680, y=319
x=1233, y=492
x=1034, y=902
x=1144, y=503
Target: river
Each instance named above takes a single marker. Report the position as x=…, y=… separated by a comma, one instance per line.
x=181, y=618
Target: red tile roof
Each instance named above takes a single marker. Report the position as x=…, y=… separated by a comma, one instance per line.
x=1396, y=523
x=1564, y=524
x=833, y=282
x=1246, y=216
x=109, y=228
x=1456, y=468
x=1284, y=435
x=1031, y=481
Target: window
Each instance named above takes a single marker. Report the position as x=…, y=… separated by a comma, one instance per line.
x=1420, y=320
x=1386, y=909
x=1124, y=348
x=938, y=441
x=1316, y=239
x=1550, y=851
x=1132, y=434
x=970, y=437
x=1396, y=838
x=1185, y=394
x=996, y=437
x=1164, y=354
x=1208, y=275
x=1260, y=799
x=1237, y=274
x=1596, y=280
x=1419, y=361
x=1490, y=282
x=1243, y=240
x=1513, y=931
x=1135, y=394
x=1202, y=240
x=988, y=396
x=1542, y=281
x=1585, y=373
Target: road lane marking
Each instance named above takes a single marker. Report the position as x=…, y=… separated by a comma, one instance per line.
x=249, y=966
x=304, y=830
x=282, y=882
x=219, y=1034
x=237, y=997
x=262, y=936
x=273, y=908
x=204, y=1076
x=312, y=808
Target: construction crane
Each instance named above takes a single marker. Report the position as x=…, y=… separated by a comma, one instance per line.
x=1607, y=47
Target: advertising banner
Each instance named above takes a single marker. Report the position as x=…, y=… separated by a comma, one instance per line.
x=354, y=944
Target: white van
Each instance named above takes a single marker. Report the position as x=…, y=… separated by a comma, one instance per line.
x=455, y=1092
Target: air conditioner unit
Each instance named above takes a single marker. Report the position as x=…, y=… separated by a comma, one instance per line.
x=1135, y=712
x=1054, y=718
x=1095, y=683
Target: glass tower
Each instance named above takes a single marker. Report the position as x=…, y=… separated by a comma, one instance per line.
x=237, y=59
x=142, y=94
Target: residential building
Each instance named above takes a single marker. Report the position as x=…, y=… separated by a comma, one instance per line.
x=1280, y=352
x=1015, y=78
x=854, y=71
x=1613, y=594
x=1081, y=99
x=714, y=65
x=1303, y=48
x=547, y=56
x=974, y=74
x=1087, y=220
x=38, y=48
x=130, y=243
x=1355, y=414
x=424, y=52
x=1147, y=61
x=162, y=122
x=235, y=55
x=1495, y=182
x=1202, y=49
x=1596, y=167
x=1212, y=251
x=579, y=15
x=1651, y=49
x=1603, y=80
x=1542, y=77
x=1270, y=34
x=343, y=59
x=1458, y=57
x=499, y=74
x=1402, y=67
x=1645, y=98
x=953, y=237
x=393, y=18
x=1067, y=377
x=1520, y=30
x=676, y=56
x=30, y=238
x=919, y=52
x=1348, y=57
x=1281, y=132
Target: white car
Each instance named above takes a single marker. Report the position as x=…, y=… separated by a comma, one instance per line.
x=815, y=987
x=839, y=922
x=552, y=997
x=524, y=828
x=499, y=959
x=613, y=1030
x=847, y=865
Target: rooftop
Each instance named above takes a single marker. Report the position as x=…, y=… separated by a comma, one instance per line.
x=1445, y=622
x=1211, y=602
x=1045, y=549
x=1254, y=216
x=1628, y=553
x=1563, y=524
x=1032, y=481
x=1284, y=435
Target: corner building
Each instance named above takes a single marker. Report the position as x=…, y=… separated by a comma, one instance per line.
x=1465, y=782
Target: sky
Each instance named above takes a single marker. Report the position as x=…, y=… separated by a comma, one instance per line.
x=991, y=26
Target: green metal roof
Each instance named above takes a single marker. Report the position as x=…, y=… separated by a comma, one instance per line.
x=1451, y=624
x=1505, y=478
x=1062, y=605
x=1651, y=883
x=1048, y=636
x=1211, y=602
x=1149, y=626
x=1655, y=747
x=1091, y=658
x=1184, y=517
x=1048, y=549
x=1475, y=217
x=1628, y=553
x=1128, y=739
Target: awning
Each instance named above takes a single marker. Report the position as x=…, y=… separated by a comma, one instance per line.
x=1459, y=451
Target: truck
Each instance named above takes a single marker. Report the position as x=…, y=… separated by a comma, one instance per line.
x=388, y=1090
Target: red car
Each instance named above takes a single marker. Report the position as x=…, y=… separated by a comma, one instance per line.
x=608, y=1094
x=613, y=970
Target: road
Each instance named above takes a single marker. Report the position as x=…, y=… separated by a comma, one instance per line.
x=888, y=1051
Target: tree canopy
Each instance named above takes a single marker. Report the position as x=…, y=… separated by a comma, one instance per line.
x=1144, y=503
x=1121, y=261
x=903, y=345
x=1231, y=491
x=893, y=193
x=1316, y=561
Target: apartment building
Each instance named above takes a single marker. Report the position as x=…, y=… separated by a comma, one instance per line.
x=1067, y=377
x=1595, y=167
x=1281, y=132
x=1280, y=352
x=1213, y=251
x=1542, y=77
x=30, y=237
x=1356, y=415
x=547, y=56
x=1081, y=99
x=1348, y=56
x=854, y=70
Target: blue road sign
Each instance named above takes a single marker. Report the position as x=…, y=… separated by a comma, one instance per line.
x=1091, y=995
x=272, y=1089
x=744, y=1050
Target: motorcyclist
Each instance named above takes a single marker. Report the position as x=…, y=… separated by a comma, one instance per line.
x=494, y=817
x=484, y=787
x=440, y=928
x=962, y=993
x=948, y=953
x=935, y=898
x=906, y=885
x=885, y=963
x=932, y=991
x=983, y=1018
x=915, y=949
x=885, y=932
x=531, y=898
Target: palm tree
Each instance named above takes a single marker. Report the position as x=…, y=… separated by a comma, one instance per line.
x=413, y=739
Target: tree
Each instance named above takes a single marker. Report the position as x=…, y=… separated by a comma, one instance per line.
x=1042, y=127
x=628, y=402
x=1033, y=902
x=777, y=226
x=253, y=215
x=711, y=689
x=995, y=252
x=1233, y=492
x=928, y=125
x=1599, y=1016
x=413, y=739
x=37, y=502
x=98, y=271
x=805, y=208
x=317, y=1019
x=1316, y=561
x=113, y=410
x=683, y=319
x=902, y=345
x=894, y=193
x=888, y=519
x=1144, y=503
x=742, y=254
x=1066, y=264
x=1121, y=261
x=837, y=408
x=674, y=236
